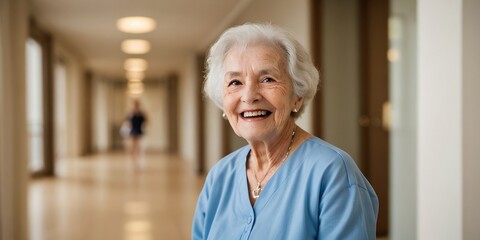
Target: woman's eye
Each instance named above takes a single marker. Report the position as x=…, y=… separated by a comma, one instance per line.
x=268, y=79
x=234, y=83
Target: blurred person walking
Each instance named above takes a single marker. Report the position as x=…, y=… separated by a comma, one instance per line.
x=135, y=125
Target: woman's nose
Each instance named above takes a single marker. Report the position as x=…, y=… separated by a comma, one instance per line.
x=250, y=93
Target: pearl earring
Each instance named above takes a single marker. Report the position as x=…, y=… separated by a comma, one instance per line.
x=224, y=116
x=295, y=110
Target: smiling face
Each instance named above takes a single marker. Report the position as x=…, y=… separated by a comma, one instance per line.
x=258, y=94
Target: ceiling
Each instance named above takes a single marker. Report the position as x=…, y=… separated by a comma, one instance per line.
x=88, y=27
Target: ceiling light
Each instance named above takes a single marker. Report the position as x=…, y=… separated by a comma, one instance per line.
x=133, y=80
x=135, y=65
x=135, y=88
x=136, y=24
x=135, y=46
x=132, y=76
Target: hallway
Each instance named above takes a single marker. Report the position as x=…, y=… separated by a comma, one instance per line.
x=103, y=197
x=65, y=90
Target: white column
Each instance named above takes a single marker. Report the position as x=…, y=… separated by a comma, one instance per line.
x=13, y=135
x=439, y=119
x=448, y=119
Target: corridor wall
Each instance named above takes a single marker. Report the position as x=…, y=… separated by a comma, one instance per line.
x=13, y=135
x=188, y=115
x=75, y=86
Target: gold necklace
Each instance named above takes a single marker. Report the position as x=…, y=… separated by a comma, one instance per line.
x=256, y=192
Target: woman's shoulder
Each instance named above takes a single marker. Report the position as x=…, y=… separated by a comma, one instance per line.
x=318, y=147
x=332, y=160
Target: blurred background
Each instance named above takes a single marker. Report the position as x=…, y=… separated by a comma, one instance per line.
x=399, y=92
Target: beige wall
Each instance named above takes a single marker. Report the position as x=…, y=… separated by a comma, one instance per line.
x=60, y=108
x=100, y=115
x=213, y=130
x=292, y=15
x=75, y=97
x=188, y=117
x=116, y=103
x=340, y=75
x=13, y=135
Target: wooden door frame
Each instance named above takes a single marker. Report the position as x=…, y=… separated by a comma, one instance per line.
x=374, y=66
x=316, y=43
x=87, y=118
x=172, y=110
x=201, y=138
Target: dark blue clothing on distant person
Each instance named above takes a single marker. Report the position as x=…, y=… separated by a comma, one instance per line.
x=136, y=123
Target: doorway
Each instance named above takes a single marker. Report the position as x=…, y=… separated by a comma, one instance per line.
x=350, y=44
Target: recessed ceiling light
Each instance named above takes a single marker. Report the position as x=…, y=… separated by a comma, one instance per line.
x=135, y=46
x=136, y=24
x=138, y=75
x=135, y=65
x=134, y=80
x=135, y=88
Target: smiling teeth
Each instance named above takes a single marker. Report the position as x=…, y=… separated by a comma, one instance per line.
x=255, y=114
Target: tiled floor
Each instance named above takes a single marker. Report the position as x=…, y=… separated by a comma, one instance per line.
x=104, y=197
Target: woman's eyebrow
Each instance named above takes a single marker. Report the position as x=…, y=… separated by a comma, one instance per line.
x=232, y=74
x=268, y=71
x=265, y=71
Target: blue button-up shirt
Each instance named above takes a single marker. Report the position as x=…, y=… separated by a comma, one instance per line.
x=318, y=193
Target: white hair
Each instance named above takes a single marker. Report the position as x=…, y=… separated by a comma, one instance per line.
x=304, y=75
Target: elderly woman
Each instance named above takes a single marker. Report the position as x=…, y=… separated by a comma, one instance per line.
x=286, y=183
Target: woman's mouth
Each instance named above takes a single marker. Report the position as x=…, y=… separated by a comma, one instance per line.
x=256, y=114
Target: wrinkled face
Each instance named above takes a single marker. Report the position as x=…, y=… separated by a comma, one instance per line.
x=258, y=94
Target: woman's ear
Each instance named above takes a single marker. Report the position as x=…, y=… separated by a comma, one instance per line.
x=298, y=104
